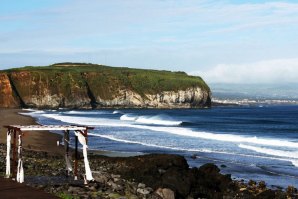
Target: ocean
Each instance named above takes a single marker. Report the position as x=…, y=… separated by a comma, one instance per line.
x=250, y=142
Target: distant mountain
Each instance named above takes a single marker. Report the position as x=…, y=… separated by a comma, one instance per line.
x=81, y=85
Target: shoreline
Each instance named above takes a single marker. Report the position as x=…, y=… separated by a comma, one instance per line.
x=45, y=141
x=37, y=140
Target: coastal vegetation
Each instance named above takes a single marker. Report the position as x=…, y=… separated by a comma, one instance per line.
x=79, y=85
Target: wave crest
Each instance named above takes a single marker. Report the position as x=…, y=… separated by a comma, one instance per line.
x=157, y=120
x=128, y=117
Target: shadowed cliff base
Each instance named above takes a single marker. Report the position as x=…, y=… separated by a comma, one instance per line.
x=87, y=86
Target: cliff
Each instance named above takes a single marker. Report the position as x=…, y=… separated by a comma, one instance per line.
x=75, y=85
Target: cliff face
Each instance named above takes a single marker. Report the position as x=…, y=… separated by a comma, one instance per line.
x=7, y=96
x=95, y=86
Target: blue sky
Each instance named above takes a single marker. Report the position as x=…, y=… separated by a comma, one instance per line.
x=222, y=41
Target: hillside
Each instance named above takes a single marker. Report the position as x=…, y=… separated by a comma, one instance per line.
x=77, y=85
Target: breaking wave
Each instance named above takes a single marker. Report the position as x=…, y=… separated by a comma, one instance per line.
x=176, y=130
x=150, y=120
x=273, y=152
x=86, y=112
x=202, y=150
x=157, y=120
x=128, y=117
x=117, y=112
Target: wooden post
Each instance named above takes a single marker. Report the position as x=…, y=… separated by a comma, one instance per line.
x=86, y=135
x=76, y=158
x=66, y=147
x=20, y=144
x=14, y=154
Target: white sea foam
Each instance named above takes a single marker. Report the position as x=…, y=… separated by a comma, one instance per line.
x=202, y=150
x=157, y=120
x=176, y=130
x=86, y=112
x=117, y=112
x=128, y=117
x=111, y=137
x=274, y=152
x=295, y=162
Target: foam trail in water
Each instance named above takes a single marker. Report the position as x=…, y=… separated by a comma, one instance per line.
x=157, y=120
x=111, y=137
x=274, y=152
x=295, y=162
x=117, y=112
x=176, y=130
x=86, y=112
x=128, y=117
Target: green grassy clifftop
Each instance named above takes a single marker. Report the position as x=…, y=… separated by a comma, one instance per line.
x=76, y=85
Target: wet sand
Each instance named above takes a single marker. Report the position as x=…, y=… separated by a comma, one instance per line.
x=34, y=140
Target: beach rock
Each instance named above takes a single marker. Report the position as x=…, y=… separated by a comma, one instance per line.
x=72, y=189
x=252, y=183
x=268, y=194
x=141, y=185
x=210, y=177
x=143, y=191
x=133, y=177
x=262, y=185
x=101, y=177
x=115, y=187
x=131, y=188
x=161, y=171
x=178, y=180
x=165, y=193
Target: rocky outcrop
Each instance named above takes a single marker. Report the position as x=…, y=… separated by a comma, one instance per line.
x=191, y=97
x=155, y=176
x=7, y=96
x=99, y=87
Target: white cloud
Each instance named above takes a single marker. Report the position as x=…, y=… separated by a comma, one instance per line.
x=268, y=71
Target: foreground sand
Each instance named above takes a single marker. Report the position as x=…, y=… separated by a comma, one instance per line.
x=34, y=140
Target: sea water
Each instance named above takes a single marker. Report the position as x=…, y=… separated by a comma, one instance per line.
x=249, y=142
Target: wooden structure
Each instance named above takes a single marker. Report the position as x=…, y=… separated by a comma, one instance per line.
x=81, y=134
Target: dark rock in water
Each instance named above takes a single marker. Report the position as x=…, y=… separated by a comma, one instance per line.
x=209, y=168
x=223, y=166
x=193, y=156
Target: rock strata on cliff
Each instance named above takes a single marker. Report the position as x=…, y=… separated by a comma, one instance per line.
x=7, y=96
x=69, y=85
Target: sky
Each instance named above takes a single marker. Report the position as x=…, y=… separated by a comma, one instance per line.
x=227, y=41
